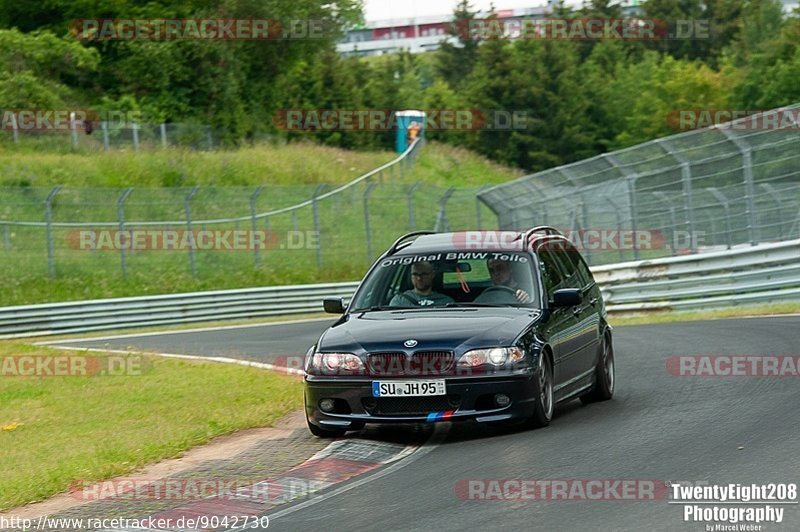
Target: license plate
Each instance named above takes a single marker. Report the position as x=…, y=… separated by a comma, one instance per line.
x=408, y=388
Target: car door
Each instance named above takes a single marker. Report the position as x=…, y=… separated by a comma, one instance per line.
x=561, y=323
x=577, y=275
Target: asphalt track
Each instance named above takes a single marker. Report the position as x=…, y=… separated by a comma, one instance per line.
x=659, y=427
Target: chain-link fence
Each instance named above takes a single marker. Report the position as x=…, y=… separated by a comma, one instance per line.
x=103, y=135
x=297, y=233
x=714, y=188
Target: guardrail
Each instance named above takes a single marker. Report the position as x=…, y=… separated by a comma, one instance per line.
x=745, y=275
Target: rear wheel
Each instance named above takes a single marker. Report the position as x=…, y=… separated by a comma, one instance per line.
x=543, y=409
x=604, y=374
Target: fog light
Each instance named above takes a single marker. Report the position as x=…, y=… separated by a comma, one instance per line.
x=502, y=399
x=326, y=405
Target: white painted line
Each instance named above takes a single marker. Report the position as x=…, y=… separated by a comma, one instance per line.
x=182, y=331
x=224, y=360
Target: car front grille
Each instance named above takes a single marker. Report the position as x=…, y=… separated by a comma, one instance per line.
x=410, y=405
x=419, y=364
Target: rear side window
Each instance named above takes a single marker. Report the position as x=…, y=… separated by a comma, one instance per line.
x=580, y=264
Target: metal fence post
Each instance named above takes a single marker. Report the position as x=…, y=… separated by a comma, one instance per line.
x=410, y=202
x=74, y=130
x=187, y=205
x=135, y=133
x=777, y=199
x=254, y=224
x=441, y=217
x=163, y=128
x=673, y=221
x=14, y=128
x=619, y=224
x=726, y=207
x=104, y=128
x=315, y=209
x=478, y=218
x=367, y=228
x=121, y=220
x=48, y=218
x=686, y=178
x=747, y=172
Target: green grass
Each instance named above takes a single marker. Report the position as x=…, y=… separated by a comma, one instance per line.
x=58, y=430
x=619, y=320
x=343, y=251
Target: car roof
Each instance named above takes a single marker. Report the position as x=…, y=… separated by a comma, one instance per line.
x=464, y=240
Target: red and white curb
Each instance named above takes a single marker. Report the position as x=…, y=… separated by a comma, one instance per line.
x=337, y=463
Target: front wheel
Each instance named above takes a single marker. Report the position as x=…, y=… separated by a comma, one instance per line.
x=543, y=409
x=604, y=373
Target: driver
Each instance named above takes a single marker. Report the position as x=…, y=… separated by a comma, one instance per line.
x=502, y=276
x=422, y=295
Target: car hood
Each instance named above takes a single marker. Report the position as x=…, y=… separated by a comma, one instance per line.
x=458, y=329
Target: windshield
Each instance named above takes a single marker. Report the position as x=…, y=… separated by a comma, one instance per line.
x=443, y=279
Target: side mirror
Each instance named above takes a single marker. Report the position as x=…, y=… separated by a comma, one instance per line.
x=567, y=297
x=333, y=305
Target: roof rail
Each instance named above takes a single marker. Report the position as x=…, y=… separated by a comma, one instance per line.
x=396, y=246
x=546, y=229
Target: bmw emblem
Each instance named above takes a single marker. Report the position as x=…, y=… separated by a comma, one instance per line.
x=410, y=343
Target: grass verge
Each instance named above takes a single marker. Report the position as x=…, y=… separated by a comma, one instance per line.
x=619, y=320
x=56, y=430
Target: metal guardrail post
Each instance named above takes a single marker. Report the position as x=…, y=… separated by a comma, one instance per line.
x=723, y=200
x=135, y=134
x=686, y=178
x=121, y=220
x=163, y=129
x=747, y=172
x=48, y=218
x=367, y=228
x=254, y=224
x=187, y=206
x=315, y=211
x=441, y=217
x=410, y=202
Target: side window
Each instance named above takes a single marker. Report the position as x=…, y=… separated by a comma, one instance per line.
x=568, y=269
x=583, y=270
x=551, y=276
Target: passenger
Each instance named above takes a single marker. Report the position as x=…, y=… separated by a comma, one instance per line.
x=422, y=274
x=502, y=276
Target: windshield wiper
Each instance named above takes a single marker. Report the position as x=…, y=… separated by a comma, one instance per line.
x=471, y=304
x=380, y=308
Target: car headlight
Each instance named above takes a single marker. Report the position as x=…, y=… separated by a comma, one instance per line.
x=334, y=363
x=496, y=356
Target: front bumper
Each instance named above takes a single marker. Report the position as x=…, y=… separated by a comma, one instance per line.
x=467, y=398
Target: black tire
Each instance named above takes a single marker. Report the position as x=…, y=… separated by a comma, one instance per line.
x=604, y=374
x=319, y=432
x=543, y=409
